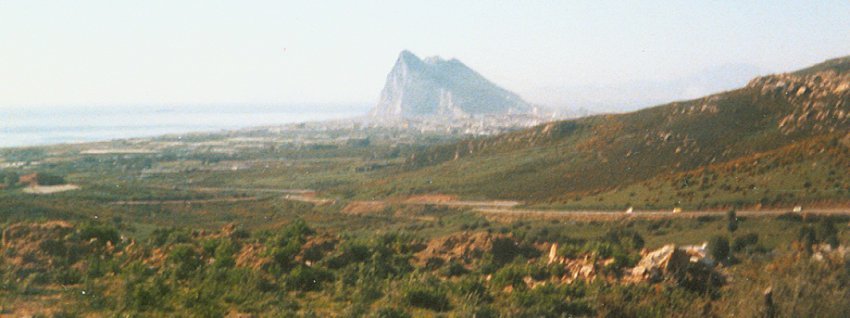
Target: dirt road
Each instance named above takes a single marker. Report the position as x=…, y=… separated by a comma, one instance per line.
x=263, y=190
x=185, y=202
x=621, y=215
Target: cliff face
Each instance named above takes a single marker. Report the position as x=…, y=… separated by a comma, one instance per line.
x=434, y=87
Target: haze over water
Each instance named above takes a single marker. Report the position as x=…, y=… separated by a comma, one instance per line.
x=43, y=126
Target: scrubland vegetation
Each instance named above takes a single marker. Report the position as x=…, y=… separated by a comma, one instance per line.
x=376, y=222
x=297, y=269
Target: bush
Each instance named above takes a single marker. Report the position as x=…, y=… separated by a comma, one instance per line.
x=552, y=301
x=102, y=232
x=629, y=239
x=160, y=237
x=807, y=237
x=504, y=250
x=306, y=278
x=718, y=247
x=285, y=255
x=510, y=275
x=790, y=217
x=454, y=268
x=471, y=287
x=349, y=253
x=49, y=179
x=827, y=232
x=732, y=221
x=224, y=254
x=741, y=242
x=424, y=296
x=313, y=253
x=297, y=230
x=184, y=260
x=10, y=179
x=391, y=312
x=570, y=250
x=433, y=263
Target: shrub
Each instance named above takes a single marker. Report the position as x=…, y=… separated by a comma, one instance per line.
x=471, y=287
x=551, y=301
x=297, y=230
x=184, y=260
x=790, y=217
x=570, y=250
x=510, y=275
x=350, y=252
x=433, y=263
x=53, y=248
x=741, y=242
x=313, y=253
x=732, y=221
x=428, y=297
x=306, y=278
x=285, y=255
x=10, y=179
x=67, y=276
x=391, y=312
x=718, y=247
x=807, y=237
x=629, y=239
x=454, y=268
x=504, y=250
x=102, y=232
x=160, y=237
x=827, y=232
x=224, y=254
x=49, y=179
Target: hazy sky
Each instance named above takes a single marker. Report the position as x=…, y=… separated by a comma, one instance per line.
x=67, y=53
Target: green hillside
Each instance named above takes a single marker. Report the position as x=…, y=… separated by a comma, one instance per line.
x=784, y=136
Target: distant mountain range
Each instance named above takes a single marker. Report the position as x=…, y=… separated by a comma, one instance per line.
x=633, y=95
x=439, y=88
x=782, y=139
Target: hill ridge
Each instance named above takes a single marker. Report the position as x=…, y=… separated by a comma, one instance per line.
x=601, y=153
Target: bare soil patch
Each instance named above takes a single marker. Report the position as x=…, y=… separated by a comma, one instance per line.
x=41, y=189
x=364, y=207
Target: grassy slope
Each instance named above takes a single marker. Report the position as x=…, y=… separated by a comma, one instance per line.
x=556, y=162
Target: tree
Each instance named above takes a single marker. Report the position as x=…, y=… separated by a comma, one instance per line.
x=49, y=179
x=807, y=237
x=718, y=247
x=11, y=179
x=827, y=232
x=732, y=219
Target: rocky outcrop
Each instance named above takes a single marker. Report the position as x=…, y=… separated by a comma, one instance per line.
x=465, y=247
x=585, y=267
x=674, y=264
x=440, y=88
x=820, y=101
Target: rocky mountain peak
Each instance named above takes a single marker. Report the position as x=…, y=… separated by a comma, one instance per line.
x=439, y=88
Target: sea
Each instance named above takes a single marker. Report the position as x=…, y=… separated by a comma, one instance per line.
x=21, y=127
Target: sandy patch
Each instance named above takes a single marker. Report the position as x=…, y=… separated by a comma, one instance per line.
x=364, y=207
x=431, y=198
x=309, y=198
x=40, y=189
